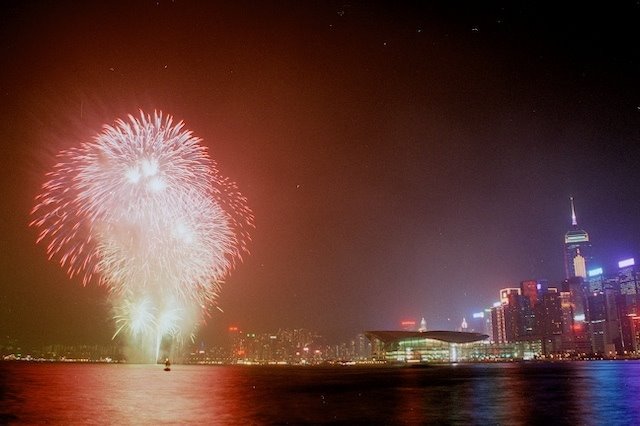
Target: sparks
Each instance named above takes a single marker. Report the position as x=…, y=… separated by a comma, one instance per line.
x=143, y=210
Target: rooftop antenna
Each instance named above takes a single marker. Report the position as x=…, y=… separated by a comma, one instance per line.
x=574, y=221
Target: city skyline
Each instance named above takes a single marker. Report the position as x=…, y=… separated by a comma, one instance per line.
x=592, y=269
x=401, y=160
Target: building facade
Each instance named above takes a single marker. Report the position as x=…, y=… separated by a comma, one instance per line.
x=576, y=249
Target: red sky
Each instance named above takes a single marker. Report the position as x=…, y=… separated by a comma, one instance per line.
x=401, y=160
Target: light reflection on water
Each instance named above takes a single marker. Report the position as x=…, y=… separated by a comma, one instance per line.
x=536, y=393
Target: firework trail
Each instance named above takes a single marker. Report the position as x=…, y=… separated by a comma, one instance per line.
x=143, y=210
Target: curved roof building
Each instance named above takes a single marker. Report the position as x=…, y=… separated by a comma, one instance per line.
x=427, y=346
x=443, y=336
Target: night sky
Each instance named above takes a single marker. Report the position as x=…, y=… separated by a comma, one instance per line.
x=401, y=159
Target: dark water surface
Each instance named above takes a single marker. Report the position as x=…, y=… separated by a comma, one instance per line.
x=592, y=393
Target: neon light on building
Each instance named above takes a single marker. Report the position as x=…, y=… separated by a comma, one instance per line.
x=626, y=262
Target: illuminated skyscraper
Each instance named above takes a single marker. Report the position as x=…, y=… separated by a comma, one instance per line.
x=499, y=333
x=548, y=314
x=628, y=277
x=576, y=249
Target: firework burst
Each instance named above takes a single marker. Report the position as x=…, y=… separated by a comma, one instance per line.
x=143, y=210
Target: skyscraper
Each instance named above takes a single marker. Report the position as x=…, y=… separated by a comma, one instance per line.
x=576, y=248
x=628, y=277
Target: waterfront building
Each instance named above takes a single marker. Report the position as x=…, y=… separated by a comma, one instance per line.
x=501, y=332
x=575, y=330
x=602, y=322
x=549, y=322
x=628, y=315
x=634, y=333
x=498, y=327
x=425, y=347
x=446, y=347
x=361, y=348
x=519, y=318
x=488, y=324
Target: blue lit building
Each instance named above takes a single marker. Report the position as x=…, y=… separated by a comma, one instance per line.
x=628, y=277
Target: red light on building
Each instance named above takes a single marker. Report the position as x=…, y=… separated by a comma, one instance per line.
x=529, y=289
x=408, y=325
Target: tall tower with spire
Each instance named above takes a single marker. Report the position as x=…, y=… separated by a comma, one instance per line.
x=576, y=248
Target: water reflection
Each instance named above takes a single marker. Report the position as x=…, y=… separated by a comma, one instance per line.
x=537, y=393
